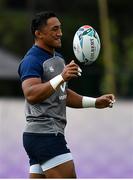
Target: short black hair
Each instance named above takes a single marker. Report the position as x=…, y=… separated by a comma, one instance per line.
x=40, y=19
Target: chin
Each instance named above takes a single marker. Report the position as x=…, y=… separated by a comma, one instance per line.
x=58, y=46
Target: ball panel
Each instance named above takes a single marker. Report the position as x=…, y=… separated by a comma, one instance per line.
x=77, y=48
x=86, y=44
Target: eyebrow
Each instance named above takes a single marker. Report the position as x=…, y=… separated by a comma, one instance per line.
x=57, y=25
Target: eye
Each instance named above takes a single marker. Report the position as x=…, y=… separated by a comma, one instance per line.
x=56, y=28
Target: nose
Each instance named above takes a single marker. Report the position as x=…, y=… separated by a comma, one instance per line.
x=59, y=33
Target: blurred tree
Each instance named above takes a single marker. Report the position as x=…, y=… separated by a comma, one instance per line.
x=126, y=78
x=2, y=4
x=31, y=4
x=15, y=4
x=13, y=30
x=30, y=7
x=108, y=84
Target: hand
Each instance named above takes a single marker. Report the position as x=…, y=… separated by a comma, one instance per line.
x=104, y=101
x=70, y=71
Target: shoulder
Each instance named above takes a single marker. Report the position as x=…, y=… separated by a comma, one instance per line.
x=28, y=62
x=30, y=66
x=27, y=59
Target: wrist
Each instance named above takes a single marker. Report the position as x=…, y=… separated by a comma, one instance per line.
x=88, y=102
x=56, y=81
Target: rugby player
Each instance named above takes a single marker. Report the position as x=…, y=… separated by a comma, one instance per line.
x=44, y=77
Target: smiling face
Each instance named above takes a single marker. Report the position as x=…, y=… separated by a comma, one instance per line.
x=49, y=35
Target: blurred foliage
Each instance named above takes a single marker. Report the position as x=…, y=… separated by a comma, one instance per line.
x=13, y=31
x=2, y=2
x=108, y=81
x=126, y=78
x=15, y=18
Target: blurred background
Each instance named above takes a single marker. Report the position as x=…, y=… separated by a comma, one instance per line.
x=101, y=140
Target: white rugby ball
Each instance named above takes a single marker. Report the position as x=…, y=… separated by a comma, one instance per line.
x=86, y=44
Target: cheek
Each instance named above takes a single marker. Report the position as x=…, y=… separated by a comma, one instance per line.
x=49, y=37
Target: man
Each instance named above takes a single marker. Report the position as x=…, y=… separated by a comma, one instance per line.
x=44, y=77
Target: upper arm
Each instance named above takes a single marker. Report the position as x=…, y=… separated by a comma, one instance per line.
x=73, y=99
x=28, y=84
x=31, y=73
x=36, y=91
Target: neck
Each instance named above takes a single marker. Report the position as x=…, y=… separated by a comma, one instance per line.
x=50, y=50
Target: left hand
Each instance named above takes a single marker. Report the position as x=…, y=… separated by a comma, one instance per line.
x=104, y=101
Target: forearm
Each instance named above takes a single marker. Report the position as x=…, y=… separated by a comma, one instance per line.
x=74, y=100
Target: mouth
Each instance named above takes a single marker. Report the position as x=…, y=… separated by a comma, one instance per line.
x=58, y=41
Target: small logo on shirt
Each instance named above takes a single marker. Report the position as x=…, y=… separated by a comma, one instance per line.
x=62, y=97
x=63, y=86
x=51, y=69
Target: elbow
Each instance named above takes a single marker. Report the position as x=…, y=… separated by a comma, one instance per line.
x=31, y=100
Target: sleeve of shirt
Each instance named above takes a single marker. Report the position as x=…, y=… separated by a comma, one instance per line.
x=30, y=67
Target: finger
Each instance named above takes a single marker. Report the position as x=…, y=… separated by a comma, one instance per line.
x=72, y=62
x=72, y=68
x=112, y=101
x=73, y=72
x=111, y=97
x=110, y=105
x=79, y=74
x=72, y=76
x=72, y=65
x=79, y=69
x=75, y=67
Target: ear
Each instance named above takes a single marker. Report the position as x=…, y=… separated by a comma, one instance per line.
x=39, y=34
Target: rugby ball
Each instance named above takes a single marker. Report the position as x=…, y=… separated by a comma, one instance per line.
x=86, y=44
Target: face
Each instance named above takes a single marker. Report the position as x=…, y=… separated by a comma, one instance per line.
x=50, y=34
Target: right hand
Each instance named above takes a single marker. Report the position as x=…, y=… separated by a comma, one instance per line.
x=104, y=101
x=70, y=71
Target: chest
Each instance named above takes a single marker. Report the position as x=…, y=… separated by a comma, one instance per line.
x=52, y=67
